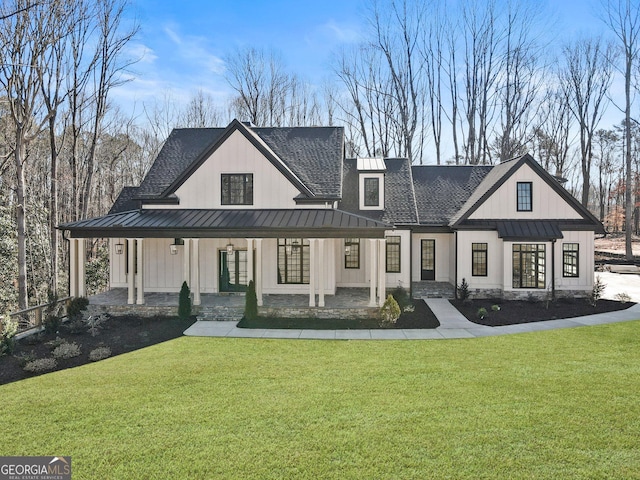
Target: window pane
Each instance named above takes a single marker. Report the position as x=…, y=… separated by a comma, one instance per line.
x=570, y=256
x=479, y=259
x=293, y=260
x=371, y=192
x=524, y=196
x=352, y=253
x=529, y=266
x=393, y=254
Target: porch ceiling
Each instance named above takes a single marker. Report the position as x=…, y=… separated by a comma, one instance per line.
x=258, y=223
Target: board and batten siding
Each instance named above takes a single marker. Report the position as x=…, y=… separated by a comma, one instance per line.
x=445, y=258
x=547, y=203
x=496, y=256
x=271, y=189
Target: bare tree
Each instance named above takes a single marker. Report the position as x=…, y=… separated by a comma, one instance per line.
x=623, y=18
x=585, y=81
x=26, y=37
x=201, y=111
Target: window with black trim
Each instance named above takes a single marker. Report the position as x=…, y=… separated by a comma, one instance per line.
x=372, y=192
x=570, y=257
x=479, y=259
x=529, y=265
x=525, y=196
x=293, y=260
x=392, y=254
x=236, y=189
x=352, y=253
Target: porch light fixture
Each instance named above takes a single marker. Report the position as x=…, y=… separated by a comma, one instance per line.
x=229, y=249
x=119, y=248
x=287, y=248
x=347, y=250
x=173, y=248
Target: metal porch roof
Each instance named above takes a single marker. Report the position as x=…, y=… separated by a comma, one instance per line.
x=268, y=223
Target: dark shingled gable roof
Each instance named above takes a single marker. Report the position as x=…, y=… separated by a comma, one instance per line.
x=399, y=200
x=442, y=190
x=314, y=155
x=178, y=152
x=125, y=201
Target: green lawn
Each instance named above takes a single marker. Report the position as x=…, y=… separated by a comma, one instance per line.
x=558, y=405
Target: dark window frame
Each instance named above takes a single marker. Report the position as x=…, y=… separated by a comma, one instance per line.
x=371, y=188
x=352, y=260
x=230, y=182
x=524, y=197
x=393, y=254
x=479, y=257
x=571, y=260
x=529, y=257
x=294, y=267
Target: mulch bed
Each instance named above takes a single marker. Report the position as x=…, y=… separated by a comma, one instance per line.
x=121, y=334
x=421, y=317
x=524, y=311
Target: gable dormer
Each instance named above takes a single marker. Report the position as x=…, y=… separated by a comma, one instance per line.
x=371, y=183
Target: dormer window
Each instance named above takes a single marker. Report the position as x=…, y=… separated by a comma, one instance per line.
x=371, y=183
x=371, y=192
x=236, y=189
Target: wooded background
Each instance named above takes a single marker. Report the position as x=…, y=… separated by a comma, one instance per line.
x=481, y=79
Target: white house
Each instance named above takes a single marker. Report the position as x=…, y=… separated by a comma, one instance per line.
x=283, y=207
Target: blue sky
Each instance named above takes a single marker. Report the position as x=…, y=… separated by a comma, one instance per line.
x=182, y=44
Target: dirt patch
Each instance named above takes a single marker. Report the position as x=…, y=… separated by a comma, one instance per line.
x=121, y=334
x=615, y=243
x=499, y=313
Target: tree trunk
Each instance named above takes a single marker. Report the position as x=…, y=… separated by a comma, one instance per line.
x=19, y=156
x=53, y=208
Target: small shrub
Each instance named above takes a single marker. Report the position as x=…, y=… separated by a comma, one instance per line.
x=597, y=291
x=52, y=312
x=8, y=330
x=251, y=302
x=66, y=350
x=401, y=296
x=622, y=297
x=184, y=303
x=40, y=365
x=463, y=290
x=76, y=306
x=495, y=308
x=409, y=308
x=94, y=323
x=481, y=313
x=24, y=358
x=99, y=353
x=389, y=312
x=55, y=343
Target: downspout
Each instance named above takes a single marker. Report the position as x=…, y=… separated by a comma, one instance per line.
x=410, y=263
x=455, y=268
x=553, y=268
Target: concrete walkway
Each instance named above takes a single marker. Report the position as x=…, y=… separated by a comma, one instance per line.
x=452, y=325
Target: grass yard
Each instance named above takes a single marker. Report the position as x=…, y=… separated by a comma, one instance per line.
x=557, y=404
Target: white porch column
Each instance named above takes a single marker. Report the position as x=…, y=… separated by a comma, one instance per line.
x=131, y=275
x=73, y=267
x=140, y=275
x=196, y=271
x=382, y=287
x=258, y=280
x=312, y=272
x=373, y=271
x=321, y=272
x=249, y=260
x=186, y=259
x=82, y=260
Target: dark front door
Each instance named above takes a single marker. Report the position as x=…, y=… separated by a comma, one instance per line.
x=233, y=271
x=428, y=260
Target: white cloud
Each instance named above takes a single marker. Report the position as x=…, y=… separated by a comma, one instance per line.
x=194, y=50
x=142, y=53
x=340, y=33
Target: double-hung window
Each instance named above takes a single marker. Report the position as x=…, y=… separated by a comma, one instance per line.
x=525, y=197
x=479, y=259
x=393, y=254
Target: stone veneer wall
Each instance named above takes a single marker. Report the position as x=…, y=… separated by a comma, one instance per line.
x=524, y=294
x=309, y=312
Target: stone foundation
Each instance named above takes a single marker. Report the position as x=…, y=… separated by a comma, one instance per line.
x=138, y=310
x=309, y=312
